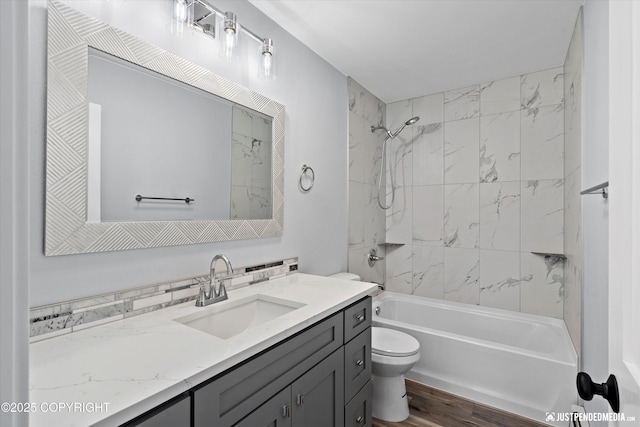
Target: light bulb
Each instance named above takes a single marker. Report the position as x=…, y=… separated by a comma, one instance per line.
x=267, y=69
x=181, y=11
x=181, y=16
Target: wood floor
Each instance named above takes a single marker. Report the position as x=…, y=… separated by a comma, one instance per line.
x=429, y=407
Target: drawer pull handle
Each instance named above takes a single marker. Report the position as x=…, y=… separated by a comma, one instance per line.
x=286, y=411
x=359, y=362
x=360, y=317
x=360, y=419
x=300, y=399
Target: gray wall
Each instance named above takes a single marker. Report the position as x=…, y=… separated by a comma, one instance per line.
x=315, y=223
x=160, y=138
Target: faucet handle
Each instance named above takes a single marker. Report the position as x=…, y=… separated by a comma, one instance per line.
x=202, y=296
x=222, y=291
x=372, y=257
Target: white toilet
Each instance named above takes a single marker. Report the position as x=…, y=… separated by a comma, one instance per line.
x=393, y=354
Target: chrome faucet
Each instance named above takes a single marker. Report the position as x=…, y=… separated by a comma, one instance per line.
x=214, y=295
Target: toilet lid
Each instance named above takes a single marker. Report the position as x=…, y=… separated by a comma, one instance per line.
x=390, y=342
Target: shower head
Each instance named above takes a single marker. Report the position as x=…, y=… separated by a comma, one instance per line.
x=411, y=121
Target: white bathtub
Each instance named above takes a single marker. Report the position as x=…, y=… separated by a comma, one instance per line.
x=521, y=363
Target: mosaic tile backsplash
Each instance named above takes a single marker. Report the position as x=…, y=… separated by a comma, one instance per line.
x=70, y=316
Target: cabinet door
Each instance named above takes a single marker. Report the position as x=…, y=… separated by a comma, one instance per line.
x=357, y=364
x=318, y=396
x=176, y=413
x=275, y=412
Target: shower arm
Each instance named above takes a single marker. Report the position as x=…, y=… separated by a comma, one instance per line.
x=387, y=131
x=389, y=134
x=396, y=133
x=400, y=129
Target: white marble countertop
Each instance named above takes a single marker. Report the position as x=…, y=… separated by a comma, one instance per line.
x=111, y=373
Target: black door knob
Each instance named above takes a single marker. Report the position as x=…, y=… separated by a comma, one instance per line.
x=609, y=390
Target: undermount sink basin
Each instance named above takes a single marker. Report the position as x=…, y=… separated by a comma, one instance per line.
x=232, y=317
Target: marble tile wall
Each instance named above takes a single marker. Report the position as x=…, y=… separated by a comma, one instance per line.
x=251, y=166
x=480, y=184
x=70, y=316
x=366, y=219
x=573, y=186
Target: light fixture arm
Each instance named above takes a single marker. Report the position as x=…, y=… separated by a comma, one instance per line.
x=212, y=9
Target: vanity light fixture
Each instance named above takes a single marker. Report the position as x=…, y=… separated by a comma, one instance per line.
x=201, y=15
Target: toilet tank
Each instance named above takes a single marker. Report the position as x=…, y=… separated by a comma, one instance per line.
x=346, y=276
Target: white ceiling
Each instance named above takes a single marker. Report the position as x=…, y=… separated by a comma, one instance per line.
x=401, y=49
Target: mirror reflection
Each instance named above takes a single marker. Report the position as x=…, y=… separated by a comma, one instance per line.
x=154, y=136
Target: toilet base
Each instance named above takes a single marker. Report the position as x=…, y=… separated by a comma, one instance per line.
x=389, y=401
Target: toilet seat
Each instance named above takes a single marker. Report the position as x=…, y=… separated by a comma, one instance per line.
x=389, y=342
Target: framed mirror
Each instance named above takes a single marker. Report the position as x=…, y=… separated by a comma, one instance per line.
x=232, y=190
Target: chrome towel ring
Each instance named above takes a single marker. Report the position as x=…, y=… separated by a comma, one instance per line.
x=311, y=178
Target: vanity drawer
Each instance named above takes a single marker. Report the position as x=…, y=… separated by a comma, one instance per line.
x=357, y=413
x=357, y=318
x=228, y=398
x=357, y=364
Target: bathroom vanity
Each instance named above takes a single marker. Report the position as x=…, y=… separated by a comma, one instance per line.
x=310, y=366
x=304, y=381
